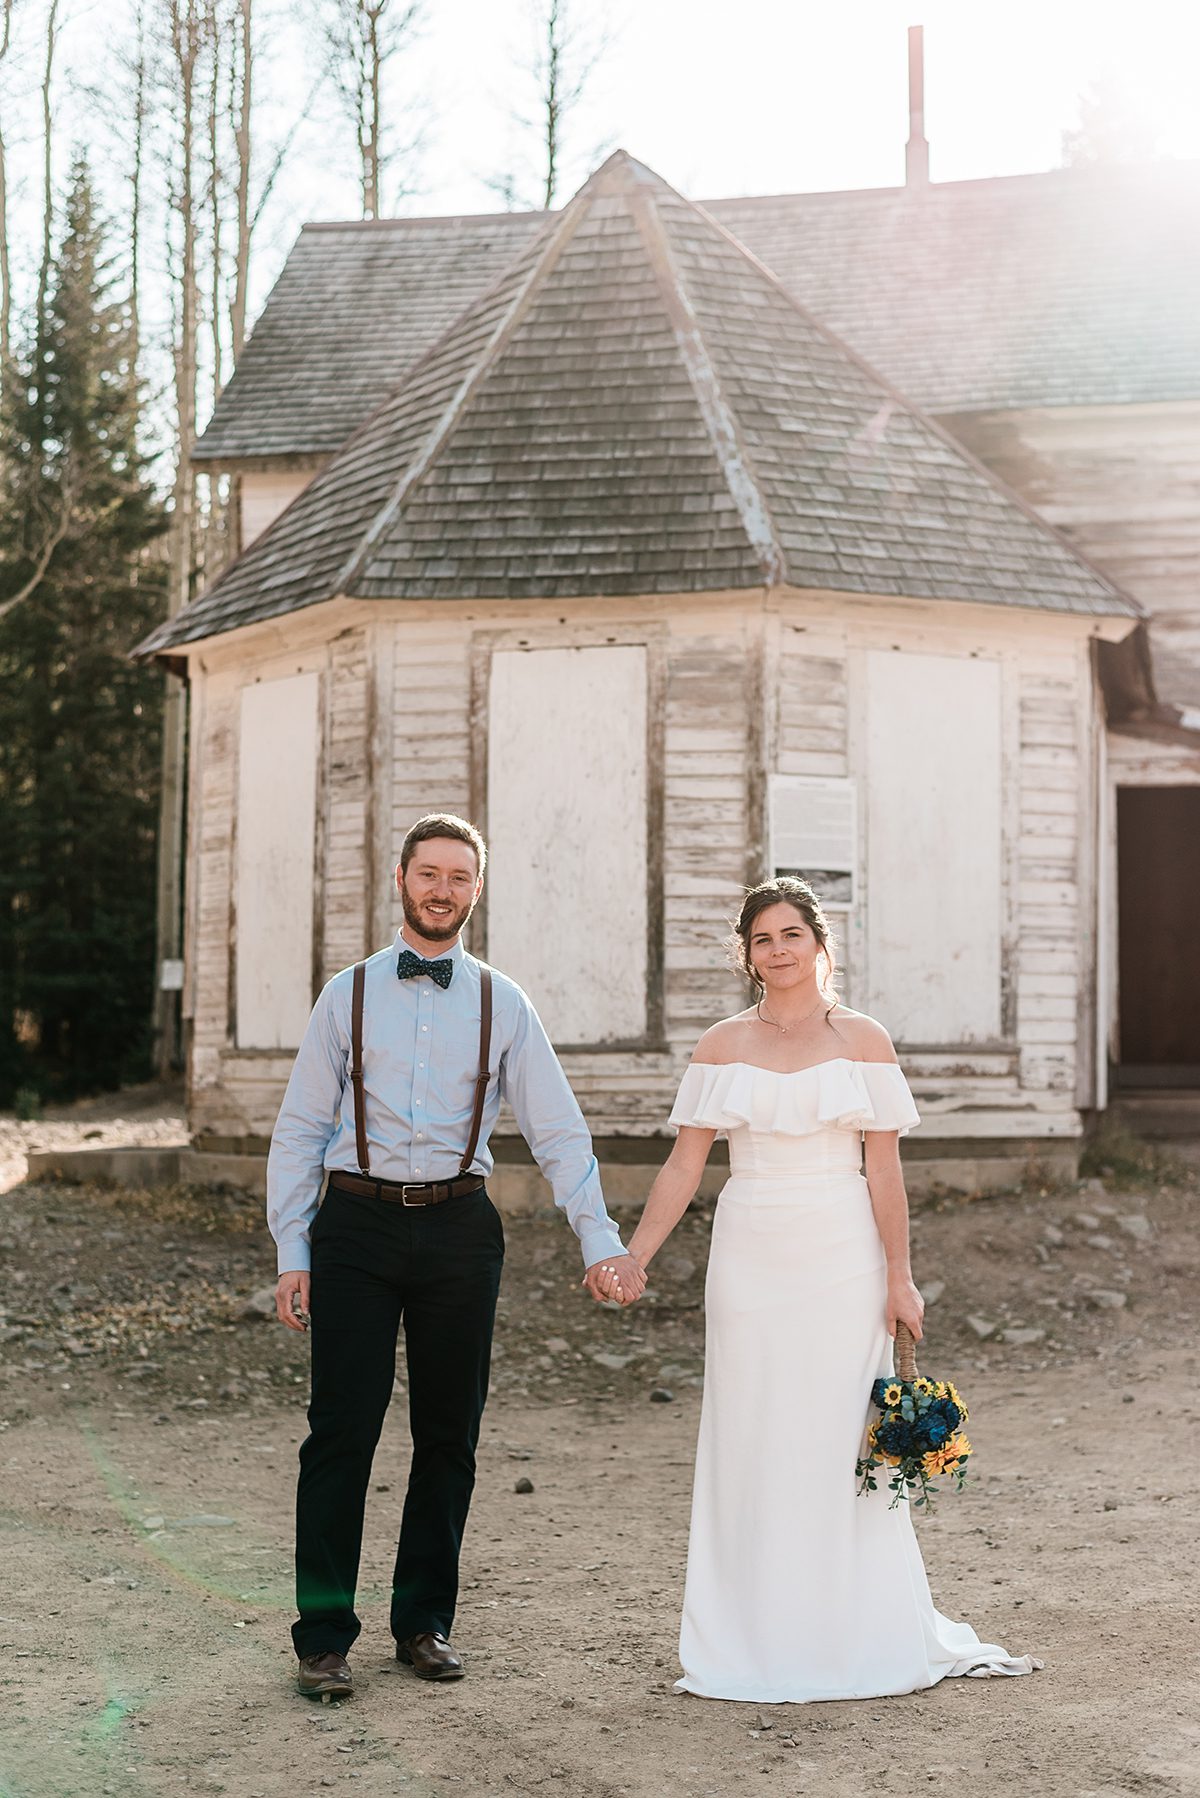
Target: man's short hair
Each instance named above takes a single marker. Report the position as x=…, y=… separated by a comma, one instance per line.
x=443, y=824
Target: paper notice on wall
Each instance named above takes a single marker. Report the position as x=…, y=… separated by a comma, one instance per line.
x=814, y=833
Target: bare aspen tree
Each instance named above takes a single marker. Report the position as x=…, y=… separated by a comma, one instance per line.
x=183, y=22
x=47, y=165
x=566, y=49
x=5, y=287
x=139, y=73
x=214, y=39
x=243, y=65
x=361, y=37
x=553, y=94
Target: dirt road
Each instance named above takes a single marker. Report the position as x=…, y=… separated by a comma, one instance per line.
x=149, y=1430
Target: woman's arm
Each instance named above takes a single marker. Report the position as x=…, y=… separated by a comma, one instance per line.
x=889, y=1202
x=672, y=1192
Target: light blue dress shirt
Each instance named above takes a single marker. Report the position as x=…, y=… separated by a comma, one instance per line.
x=420, y=1062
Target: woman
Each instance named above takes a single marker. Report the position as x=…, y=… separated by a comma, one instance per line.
x=798, y=1589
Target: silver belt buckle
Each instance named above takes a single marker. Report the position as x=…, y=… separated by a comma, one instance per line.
x=407, y=1187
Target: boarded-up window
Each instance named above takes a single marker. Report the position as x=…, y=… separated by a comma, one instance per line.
x=934, y=902
x=567, y=881
x=276, y=845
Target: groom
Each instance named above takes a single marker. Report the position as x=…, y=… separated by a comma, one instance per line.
x=394, y=1093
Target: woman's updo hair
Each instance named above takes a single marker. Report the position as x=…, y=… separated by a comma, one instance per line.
x=785, y=889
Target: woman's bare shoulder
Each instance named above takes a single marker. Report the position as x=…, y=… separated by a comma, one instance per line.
x=723, y=1042
x=865, y=1036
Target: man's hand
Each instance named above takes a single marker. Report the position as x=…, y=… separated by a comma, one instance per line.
x=291, y=1299
x=620, y=1278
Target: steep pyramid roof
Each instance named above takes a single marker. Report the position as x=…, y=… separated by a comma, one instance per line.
x=638, y=406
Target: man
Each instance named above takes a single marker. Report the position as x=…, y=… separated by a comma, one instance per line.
x=406, y=1234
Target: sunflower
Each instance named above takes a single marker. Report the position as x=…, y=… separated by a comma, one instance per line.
x=925, y=1387
x=953, y=1392
x=893, y=1394
x=946, y=1458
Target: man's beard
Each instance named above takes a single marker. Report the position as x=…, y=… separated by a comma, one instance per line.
x=434, y=930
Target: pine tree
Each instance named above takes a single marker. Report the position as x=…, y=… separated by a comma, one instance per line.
x=81, y=580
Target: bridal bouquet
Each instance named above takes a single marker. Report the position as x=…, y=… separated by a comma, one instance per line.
x=918, y=1434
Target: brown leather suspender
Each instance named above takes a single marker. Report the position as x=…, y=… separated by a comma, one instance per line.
x=485, y=1055
x=356, y=1065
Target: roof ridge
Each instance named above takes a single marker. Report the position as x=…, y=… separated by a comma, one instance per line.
x=1085, y=174
x=736, y=463
x=399, y=220
x=905, y=404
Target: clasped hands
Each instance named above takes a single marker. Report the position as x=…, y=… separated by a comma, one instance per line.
x=619, y=1278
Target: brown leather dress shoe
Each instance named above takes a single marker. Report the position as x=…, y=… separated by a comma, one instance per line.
x=430, y=1656
x=325, y=1676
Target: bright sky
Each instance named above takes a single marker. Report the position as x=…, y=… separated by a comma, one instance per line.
x=720, y=96
x=780, y=95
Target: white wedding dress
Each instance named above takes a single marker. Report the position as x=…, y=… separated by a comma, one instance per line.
x=798, y=1589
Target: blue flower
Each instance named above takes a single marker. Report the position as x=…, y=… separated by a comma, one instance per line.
x=895, y=1437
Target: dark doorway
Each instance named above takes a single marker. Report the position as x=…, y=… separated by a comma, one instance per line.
x=1158, y=895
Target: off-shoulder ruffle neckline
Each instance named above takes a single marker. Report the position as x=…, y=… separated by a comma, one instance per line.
x=789, y=1073
x=843, y=1094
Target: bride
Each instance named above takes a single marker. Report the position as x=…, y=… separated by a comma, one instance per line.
x=797, y=1588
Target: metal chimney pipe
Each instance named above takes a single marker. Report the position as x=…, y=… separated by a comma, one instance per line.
x=916, y=151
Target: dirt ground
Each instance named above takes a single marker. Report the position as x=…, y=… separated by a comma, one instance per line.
x=149, y=1421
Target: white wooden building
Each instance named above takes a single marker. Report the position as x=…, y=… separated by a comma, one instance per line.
x=642, y=568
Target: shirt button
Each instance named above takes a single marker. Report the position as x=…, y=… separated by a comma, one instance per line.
x=420, y=1136
x=424, y=1026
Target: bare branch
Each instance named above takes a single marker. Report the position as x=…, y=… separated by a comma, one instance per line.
x=566, y=51
x=285, y=149
x=53, y=538
x=362, y=36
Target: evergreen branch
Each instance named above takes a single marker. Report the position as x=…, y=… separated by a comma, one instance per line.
x=53, y=538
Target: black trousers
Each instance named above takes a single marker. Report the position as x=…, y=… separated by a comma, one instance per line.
x=377, y=1265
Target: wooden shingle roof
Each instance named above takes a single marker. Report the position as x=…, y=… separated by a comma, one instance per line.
x=354, y=306
x=1076, y=287
x=638, y=406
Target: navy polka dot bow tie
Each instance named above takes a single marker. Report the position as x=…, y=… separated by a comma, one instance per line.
x=410, y=965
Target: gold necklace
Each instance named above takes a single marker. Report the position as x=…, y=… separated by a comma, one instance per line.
x=784, y=1028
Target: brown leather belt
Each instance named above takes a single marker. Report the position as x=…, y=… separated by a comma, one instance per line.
x=429, y=1192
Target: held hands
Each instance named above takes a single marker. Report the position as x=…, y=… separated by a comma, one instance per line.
x=619, y=1278
x=291, y=1299
x=904, y=1303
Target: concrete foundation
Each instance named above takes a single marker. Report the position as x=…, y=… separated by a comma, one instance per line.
x=518, y=1188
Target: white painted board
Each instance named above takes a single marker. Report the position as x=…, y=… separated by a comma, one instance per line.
x=276, y=849
x=814, y=833
x=567, y=830
x=934, y=846
x=264, y=496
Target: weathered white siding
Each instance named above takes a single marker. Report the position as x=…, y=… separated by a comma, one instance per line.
x=430, y=746
x=735, y=688
x=351, y=869
x=567, y=832
x=234, y=1083
x=934, y=845
x=278, y=745
x=264, y=497
x=1041, y=1063
x=1122, y=483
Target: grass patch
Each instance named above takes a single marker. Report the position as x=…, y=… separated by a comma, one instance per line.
x=1120, y=1157
x=208, y=1210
